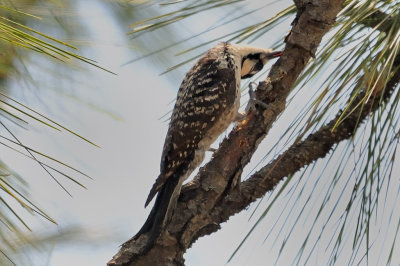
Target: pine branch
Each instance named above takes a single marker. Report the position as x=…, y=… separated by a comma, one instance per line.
x=314, y=147
x=379, y=19
x=193, y=215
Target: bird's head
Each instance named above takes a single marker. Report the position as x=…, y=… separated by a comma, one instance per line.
x=254, y=62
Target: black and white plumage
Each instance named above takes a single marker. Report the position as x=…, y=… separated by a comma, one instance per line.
x=207, y=103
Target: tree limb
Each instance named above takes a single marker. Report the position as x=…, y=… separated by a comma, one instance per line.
x=314, y=147
x=193, y=215
x=213, y=196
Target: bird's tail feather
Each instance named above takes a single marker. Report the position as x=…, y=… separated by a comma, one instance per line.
x=161, y=211
x=156, y=187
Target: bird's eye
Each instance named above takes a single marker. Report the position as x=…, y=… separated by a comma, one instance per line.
x=257, y=67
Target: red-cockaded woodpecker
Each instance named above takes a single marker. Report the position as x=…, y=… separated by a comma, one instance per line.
x=207, y=103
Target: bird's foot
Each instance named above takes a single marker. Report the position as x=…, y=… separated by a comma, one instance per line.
x=251, y=104
x=253, y=101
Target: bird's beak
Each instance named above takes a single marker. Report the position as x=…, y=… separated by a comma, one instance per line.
x=273, y=54
x=265, y=57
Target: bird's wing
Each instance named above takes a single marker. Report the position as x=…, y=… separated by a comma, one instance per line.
x=206, y=92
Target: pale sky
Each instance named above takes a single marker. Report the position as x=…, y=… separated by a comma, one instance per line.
x=120, y=114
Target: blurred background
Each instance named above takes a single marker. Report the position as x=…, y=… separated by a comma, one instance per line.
x=125, y=114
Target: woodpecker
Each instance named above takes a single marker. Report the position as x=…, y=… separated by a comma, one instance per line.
x=207, y=103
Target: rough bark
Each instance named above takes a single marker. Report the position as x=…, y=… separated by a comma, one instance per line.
x=199, y=210
x=314, y=147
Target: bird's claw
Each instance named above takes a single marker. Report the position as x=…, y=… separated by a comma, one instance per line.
x=253, y=100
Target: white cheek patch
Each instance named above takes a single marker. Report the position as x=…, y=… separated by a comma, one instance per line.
x=247, y=67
